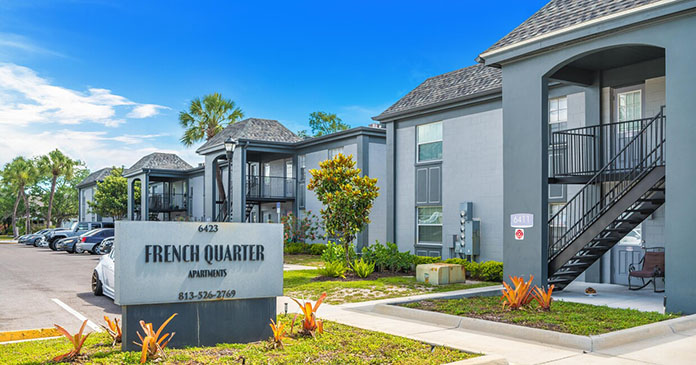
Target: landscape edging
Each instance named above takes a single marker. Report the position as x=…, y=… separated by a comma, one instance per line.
x=587, y=343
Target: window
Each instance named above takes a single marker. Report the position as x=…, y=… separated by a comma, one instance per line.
x=267, y=173
x=333, y=152
x=430, y=225
x=629, y=107
x=429, y=142
x=288, y=169
x=301, y=162
x=558, y=114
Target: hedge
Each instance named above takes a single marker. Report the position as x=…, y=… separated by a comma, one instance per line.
x=301, y=248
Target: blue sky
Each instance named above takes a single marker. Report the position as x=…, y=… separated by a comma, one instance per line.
x=105, y=80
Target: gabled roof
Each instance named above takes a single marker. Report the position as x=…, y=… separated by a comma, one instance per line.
x=95, y=177
x=254, y=129
x=559, y=14
x=161, y=161
x=456, y=85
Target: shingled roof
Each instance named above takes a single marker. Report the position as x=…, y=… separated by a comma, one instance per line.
x=254, y=129
x=95, y=177
x=456, y=85
x=559, y=14
x=159, y=160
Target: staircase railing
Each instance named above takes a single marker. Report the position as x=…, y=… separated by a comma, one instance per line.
x=635, y=159
x=582, y=151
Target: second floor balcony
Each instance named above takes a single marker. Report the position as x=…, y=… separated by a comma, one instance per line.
x=165, y=202
x=577, y=154
x=270, y=187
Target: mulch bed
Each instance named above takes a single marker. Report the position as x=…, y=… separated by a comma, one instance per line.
x=350, y=276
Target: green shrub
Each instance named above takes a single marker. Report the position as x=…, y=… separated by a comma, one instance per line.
x=421, y=260
x=334, y=269
x=295, y=248
x=301, y=248
x=491, y=271
x=484, y=271
x=388, y=258
x=335, y=252
x=363, y=268
x=316, y=249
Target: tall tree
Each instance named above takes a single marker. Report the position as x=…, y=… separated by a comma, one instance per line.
x=326, y=123
x=347, y=198
x=20, y=173
x=111, y=196
x=204, y=119
x=55, y=165
x=66, y=199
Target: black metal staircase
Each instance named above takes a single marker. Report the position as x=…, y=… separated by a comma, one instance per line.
x=617, y=198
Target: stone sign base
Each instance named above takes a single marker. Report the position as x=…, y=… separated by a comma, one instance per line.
x=202, y=323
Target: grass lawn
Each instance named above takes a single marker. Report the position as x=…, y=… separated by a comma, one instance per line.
x=307, y=260
x=339, y=344
x=6, y=238
x=300, y=284
x=575, y=318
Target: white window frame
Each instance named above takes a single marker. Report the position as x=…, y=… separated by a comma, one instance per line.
x=333, y=152
x=419, y=142
x=561, y=113
x=418, y=225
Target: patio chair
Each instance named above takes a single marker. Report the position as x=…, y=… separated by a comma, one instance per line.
x=653, y=267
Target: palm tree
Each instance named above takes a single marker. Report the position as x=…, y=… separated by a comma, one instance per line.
x=20, y=173
x=55, y=164
x=206, y=118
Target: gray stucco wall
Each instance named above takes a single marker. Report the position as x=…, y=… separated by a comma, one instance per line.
x=197, y=193
x=378, y=216
x=471, y=171
x=524, y=90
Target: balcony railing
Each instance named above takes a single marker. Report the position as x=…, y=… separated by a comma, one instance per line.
x=270, y=187
x=583, y=151
x=164, y=202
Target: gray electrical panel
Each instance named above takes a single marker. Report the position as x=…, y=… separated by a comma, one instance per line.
x=468, y=241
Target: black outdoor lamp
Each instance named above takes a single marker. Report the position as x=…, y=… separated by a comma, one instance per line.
x=230, y=145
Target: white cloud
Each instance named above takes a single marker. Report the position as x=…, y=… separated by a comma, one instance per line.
x=145, y=111
x=28, y=98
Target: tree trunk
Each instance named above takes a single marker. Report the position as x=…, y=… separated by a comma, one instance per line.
x=15, y=233
x=50, y=201
x=27, y=224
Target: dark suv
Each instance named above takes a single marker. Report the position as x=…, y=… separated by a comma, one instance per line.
x=77, y=229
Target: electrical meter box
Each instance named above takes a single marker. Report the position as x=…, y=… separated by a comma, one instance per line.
x=472, y=240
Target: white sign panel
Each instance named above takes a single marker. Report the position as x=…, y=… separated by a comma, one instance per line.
x=173, y=262
x=519, y=234
x=522, y=220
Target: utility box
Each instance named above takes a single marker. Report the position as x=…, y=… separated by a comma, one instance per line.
x=440, y=274
x=472, y=241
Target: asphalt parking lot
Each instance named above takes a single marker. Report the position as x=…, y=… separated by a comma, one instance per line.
x=40, y=287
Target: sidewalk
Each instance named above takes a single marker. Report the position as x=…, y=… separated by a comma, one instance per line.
x=677, y=348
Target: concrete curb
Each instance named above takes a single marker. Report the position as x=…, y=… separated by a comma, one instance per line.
x=483, y=360
x=587, y=343
x=21, y=335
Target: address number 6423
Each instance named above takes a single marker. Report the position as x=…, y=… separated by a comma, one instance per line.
x=212, y=228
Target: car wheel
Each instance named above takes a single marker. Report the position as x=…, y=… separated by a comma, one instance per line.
x=96, y=284
x=77, y=249
x=52, y=245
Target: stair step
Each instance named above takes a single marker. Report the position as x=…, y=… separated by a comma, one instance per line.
x=585, y=257
x=595, y=248
x=618, y=230
x=657, y=189
x=568, y=273
x=576, y=264
x=641, y=211
x=562, y=281
x=606, y=239
x=631, y=221
x=651, y=200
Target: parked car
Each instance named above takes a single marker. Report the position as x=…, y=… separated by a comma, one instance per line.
x=91, y=239
x=31, y=239
x=66, y=244
x=45, y=238
x=105, y=246
x=77, y=229
x=103, y=276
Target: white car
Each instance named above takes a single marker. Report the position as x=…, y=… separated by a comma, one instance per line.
x=103, y=276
